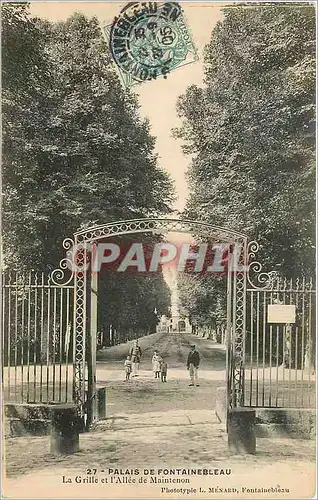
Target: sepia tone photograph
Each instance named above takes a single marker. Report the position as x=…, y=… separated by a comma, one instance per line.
x=158, y=258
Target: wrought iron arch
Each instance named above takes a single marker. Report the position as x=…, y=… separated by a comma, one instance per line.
x=130, y=226
x=236, y=288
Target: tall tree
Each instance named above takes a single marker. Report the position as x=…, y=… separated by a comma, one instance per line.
x=251, y=134
x=250, y=130
x=203, y=299
x=132, y=304
x=75, y=150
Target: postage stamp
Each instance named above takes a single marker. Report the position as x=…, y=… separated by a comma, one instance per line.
x=148, y=40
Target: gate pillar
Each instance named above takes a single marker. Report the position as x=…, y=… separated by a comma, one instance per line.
x=236, y=323
x=92, y=410
x=79, y=261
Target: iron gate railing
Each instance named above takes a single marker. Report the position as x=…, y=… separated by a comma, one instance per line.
x=37, y=339
x=278, y=358
x=269, y=365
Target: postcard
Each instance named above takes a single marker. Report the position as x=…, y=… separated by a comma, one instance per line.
x=158, y=305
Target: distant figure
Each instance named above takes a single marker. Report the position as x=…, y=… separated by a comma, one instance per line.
x=156, y=364
x=163, y=369
x=135, y=355
x=193, y=365
x=128, y=366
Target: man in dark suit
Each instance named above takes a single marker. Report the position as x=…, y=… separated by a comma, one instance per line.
x=193, y=363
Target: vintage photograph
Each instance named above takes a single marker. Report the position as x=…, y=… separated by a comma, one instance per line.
x=158, y=258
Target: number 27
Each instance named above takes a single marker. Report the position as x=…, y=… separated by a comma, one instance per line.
x=90, y=472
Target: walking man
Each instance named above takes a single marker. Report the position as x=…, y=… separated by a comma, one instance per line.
x=135, y=355
x=193, y=365
x=163, y=370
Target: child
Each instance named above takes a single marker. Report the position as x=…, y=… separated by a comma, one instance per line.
x=163, y=368
x=156, y=364
x=128, y=365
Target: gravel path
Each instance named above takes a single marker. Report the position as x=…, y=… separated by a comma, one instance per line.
x=151, y=424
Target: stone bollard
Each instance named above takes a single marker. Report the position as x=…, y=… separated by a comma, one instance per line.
x=221, y=404
x=101, y=402
x=65, y=427
x=241, y=431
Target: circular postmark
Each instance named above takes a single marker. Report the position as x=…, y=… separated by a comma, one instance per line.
x=149, y=39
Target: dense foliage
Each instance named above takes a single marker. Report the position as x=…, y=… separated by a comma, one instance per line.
x=75, y=150
x=251, y=132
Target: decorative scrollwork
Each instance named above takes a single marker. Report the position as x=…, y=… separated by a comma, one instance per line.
x=88, y=235
x=252, y=249
x=263, y=280
x=68, y=243
x=156, y=225
x=58, y=276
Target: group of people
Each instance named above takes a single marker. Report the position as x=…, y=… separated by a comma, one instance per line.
x=159, y=365
x=133, y=361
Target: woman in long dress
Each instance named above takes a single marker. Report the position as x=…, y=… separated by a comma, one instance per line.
x=156, y=364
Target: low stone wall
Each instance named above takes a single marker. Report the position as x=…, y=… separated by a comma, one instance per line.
x=275, y=422
x=22, y=419
x=26, y=419
x=286, y=422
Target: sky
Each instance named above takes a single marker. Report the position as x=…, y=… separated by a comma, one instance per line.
x=157, y=97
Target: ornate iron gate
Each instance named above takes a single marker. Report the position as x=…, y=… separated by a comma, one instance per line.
x=37, y=338
x=86, y=285
x=50, y=325
x=279, y=358
x=269, y=365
